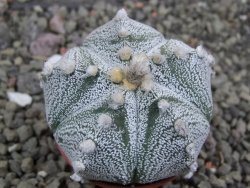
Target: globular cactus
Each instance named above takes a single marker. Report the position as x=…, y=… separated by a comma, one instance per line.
x=129, y=106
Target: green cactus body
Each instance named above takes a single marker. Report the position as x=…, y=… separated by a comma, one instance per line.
x=129, y=106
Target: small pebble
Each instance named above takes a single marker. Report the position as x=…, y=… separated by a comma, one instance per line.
x=22, y=99
x=24, y=133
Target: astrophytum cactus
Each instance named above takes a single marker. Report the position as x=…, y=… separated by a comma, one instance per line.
x=129, y=106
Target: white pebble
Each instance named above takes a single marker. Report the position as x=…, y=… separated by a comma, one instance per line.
x=104, y=121
x=92, y=70
x=22, y=99
x=14, y=147
x=42, y=174
x=88, y=146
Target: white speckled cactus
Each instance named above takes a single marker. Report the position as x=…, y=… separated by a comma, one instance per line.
x=129, y=106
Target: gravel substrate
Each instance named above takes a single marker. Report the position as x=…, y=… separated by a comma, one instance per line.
x=31, y=31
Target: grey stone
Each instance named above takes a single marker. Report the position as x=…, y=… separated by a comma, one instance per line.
x=8, y=118
x=50, y=167
x=204, y=184
x=40, y=127
x=35, y=111
x=10, y=106
x=3, y=183
x=18, y=60
x=42, y=23
x=236, y=175
x=226, y=150
x=56, y=24
x=224, y=169
x=241, y=127
x=30, y=146
x=3, y=149
x=16, y=156
x=24, y=132
x=246, y=145
x=46, y=44
x=54, y=184
x=18, y=120
x=29, y=83
x=72, y=184
x=3, y=75
x=10, y=134
x=5, y=35
x=82, y=12
x=245, y=167
x=10, y=176
x=15, y=182
x=217, y=25
x=3, y=168
x=216, y=182
x=25, y=184
x=15, y=166
x=248, y=157
x=70, y=26
x=99, y=6
x=27, y=165
x=44, y=150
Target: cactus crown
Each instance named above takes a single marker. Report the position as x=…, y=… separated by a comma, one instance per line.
x=129, y=106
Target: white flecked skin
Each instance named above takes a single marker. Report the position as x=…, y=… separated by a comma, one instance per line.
x=143, y=144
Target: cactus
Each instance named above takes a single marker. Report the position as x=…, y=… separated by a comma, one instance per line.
x=129, y=106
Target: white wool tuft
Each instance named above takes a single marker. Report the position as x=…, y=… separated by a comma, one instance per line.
x=67, y=66
x=138, y=69
x=121, y=14
x=104, y=121
x=50, y=64
x=92, y=70
x=78, y=166
x=190, y=149
x=117, y=98
x=123, y=32
x=163, y=105
x=157, y=58
x=202, y=52
x=147, y=85
x=88, y=146
x=76, y=177
x=189, y=175
x=180, y=127
x=193, y=167
x=125, y=53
